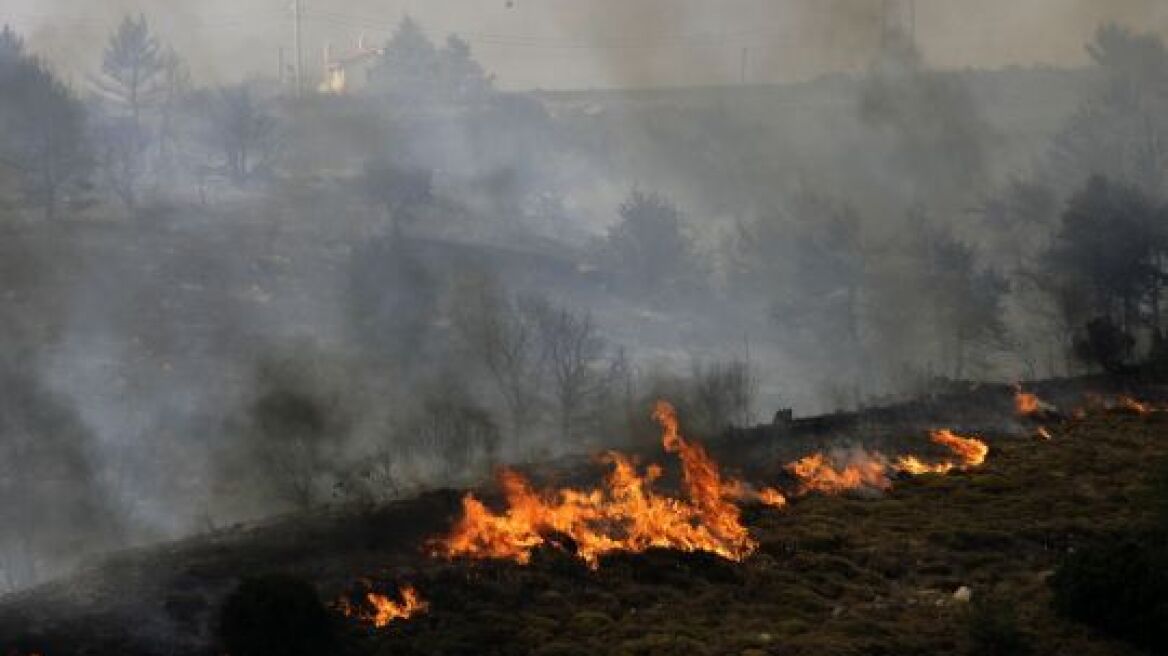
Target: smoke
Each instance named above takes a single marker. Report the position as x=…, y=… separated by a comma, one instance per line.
x=235, y=348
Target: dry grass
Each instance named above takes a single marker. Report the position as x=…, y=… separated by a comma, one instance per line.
x=833, y=576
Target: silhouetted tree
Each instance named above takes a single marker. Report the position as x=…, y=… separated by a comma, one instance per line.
x=502, y=334
x=401, y=191
x=573, y=353
x=1108, y=257
x=133, y=68
x=292, y=425
x=245, y=131
x=648, y=250
x=415, y=69
x=932, y=116
x=175, y=91
x=966, y=299
x=42, y=127
x=1121, y=130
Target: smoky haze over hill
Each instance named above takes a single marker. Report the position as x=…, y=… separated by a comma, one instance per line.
x=226, y=297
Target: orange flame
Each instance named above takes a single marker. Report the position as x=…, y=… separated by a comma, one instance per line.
x=1029, y=405
x=1043, y=434
x=971, y=450
x=817, y=474
x=915, y=466
x=625, y=515
x=1128, y=404
x=386, y=610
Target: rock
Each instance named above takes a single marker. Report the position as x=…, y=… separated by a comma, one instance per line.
x=963, y=595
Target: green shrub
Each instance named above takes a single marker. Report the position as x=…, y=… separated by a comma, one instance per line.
x=1120, y=587
x=275, y=615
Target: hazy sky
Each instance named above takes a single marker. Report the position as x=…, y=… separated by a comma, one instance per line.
x=583, y=43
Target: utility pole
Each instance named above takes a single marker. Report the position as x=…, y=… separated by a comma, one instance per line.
x=298, y=63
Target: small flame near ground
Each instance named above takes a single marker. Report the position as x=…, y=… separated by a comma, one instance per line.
x=1119, y=404
x=625, y=514
x=382, y=609
x=874, y=471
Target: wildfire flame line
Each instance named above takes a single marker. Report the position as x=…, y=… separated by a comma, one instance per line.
x=624, y=515
x=816, y=472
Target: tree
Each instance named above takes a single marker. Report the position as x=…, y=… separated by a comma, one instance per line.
x=933, y=119
x=965, y=298
x=393, y=300
x=133, y=69
x=723, y=395
x=1107, y=261
x=133, y=66
x=400, y=190
x=462, y=78
x=502, y=334
x=409, y=67
x=176, y=82
x=1121, y=129
x=245, y=130
x=292, y=423
x=647, y=248
x=42, y=127
x=414, y=69
x=573, y=353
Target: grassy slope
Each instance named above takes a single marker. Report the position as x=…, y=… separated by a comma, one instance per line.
x=832, y=576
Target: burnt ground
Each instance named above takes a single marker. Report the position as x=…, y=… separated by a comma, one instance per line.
x=833, y=575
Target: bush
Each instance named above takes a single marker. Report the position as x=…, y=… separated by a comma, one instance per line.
x=993, y=630
x=1120, y=587
x=275, y=615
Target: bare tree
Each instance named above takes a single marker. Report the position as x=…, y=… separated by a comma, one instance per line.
x=573, y=352
x=724, y=394
x=502, y=334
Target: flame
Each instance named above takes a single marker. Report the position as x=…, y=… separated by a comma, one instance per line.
x=970, y=450
x=1119, y=404
x=1128, y=404
x=386, y=610
x=1041, y=433
x=816, y=473
x=1029, y=405
x=624, y=515
x=915, y=466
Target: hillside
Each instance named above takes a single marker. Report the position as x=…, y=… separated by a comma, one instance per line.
x=850, y=574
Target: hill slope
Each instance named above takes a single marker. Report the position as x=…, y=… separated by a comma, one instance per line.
x=832, y=575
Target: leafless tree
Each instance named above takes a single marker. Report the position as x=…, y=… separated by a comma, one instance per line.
x=503, y=335
x=724, y=394
x=573, y=352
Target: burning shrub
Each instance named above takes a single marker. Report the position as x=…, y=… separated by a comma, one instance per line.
x=1119, y=586
x=275, y=615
